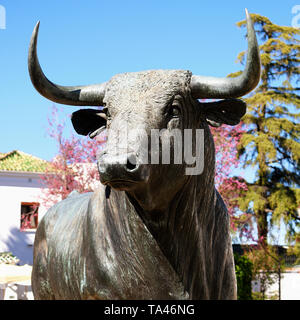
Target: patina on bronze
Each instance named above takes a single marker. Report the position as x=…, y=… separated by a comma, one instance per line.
x=149, y=231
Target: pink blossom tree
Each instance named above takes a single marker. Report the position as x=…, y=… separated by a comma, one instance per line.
x=74, y=167
x=230, y=187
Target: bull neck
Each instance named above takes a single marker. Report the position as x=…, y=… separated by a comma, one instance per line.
x=183, y=233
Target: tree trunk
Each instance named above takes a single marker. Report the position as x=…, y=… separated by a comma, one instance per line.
x=262, y=227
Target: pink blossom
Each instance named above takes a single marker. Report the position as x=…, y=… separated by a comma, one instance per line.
x=231, y=187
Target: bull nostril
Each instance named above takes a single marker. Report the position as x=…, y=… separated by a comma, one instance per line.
x=131, y=164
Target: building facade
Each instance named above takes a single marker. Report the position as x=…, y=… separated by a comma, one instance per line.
x=21, y=206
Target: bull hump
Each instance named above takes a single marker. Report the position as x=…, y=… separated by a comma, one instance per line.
x=128, y=255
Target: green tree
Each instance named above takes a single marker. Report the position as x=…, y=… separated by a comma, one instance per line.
x=271, y=144
x=267, y=266
x=243, y=271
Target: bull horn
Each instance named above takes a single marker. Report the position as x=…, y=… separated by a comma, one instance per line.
x=91, y=95
x=223, y=88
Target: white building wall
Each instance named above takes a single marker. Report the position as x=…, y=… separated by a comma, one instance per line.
x=14, y=189
x=290, y=285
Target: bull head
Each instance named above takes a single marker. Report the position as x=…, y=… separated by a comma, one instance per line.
x=127, y=98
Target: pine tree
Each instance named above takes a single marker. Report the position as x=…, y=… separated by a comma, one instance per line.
x=271, y=143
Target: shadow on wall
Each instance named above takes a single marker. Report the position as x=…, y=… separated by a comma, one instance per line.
x=20, y=244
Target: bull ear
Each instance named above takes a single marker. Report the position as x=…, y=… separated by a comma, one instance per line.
x=228, y=111
x=88, y=121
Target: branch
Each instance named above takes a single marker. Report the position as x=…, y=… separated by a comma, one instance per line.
x=285, y=89
x=293, y=216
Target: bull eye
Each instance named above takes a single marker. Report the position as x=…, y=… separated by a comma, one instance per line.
x=175, y=111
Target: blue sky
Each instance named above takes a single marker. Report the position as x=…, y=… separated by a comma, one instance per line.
x=83, y=42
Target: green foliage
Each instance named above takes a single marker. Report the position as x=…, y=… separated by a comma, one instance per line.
x=262, y=296
x=257, y=296
x=295, y=250
x=271, y=143
x=266, y=265
x=243, y=271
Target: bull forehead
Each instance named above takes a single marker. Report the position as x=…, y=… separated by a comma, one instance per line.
x=141, y=89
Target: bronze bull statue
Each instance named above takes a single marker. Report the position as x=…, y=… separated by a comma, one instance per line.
x=150, y=231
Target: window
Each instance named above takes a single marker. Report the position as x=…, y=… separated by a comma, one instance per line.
x=29, y=215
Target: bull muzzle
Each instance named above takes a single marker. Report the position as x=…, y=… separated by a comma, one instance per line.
x=124, y=171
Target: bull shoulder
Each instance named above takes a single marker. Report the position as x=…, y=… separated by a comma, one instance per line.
x=58, y=241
